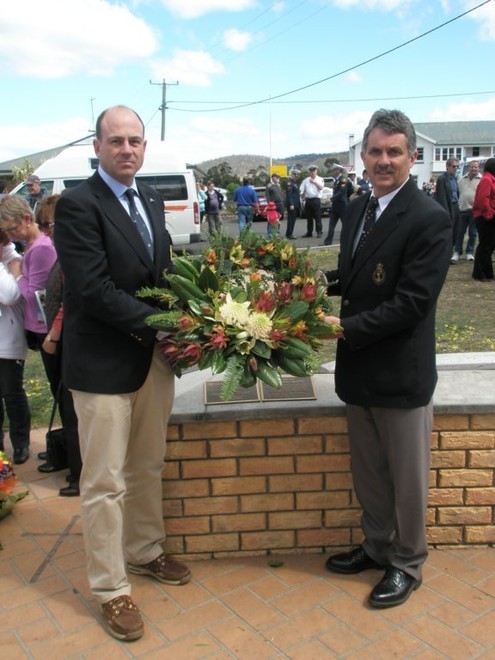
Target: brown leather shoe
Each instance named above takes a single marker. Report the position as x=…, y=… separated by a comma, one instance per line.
x=164, y=569
x=122, y=619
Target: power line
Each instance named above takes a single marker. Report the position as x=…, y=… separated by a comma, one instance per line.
x=344, y=71
x=359, y=100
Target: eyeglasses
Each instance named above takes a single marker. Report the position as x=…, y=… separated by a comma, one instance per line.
x=46, y=225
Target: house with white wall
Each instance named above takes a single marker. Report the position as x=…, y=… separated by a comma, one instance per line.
x=439, y=141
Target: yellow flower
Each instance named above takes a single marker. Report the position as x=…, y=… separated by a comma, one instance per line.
x=237, y=254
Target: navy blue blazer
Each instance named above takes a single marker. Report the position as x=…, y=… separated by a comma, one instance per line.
x=107, y=345
x=389, y=293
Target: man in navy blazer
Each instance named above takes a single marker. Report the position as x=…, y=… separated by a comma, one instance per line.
x=123, y=391
x=385, y=371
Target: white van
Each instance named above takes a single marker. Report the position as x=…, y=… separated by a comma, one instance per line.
x=175, y=183
x=463, y=167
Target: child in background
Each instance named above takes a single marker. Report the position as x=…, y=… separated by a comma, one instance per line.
x=273, y=219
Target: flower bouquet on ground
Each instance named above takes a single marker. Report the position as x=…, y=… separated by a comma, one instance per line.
x=7, y=482
x=249, y=307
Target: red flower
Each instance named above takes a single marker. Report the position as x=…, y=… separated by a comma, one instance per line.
x=308, y=291
x=191, y=354
x=265, y=303
x=284, y=291
x=218, y=339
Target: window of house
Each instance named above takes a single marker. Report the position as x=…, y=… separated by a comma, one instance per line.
x=421, y=154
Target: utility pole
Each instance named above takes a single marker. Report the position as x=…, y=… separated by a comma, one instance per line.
x=163, y=106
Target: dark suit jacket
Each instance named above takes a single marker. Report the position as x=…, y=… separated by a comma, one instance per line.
x=389, y=293
x=443, y=193
x=107, y=345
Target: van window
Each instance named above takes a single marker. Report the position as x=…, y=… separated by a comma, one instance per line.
x=72, y=183
x=172, y=187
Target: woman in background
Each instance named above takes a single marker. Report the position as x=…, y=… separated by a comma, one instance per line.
x=484, y=214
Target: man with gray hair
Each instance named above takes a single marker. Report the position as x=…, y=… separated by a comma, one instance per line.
x=395, y=252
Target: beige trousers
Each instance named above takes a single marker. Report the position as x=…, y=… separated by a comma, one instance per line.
x=122, y=439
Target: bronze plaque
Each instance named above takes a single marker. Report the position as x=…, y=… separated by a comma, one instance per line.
x=293, y=389
x=213, y=388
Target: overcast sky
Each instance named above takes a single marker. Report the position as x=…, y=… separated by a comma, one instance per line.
x=276, y=77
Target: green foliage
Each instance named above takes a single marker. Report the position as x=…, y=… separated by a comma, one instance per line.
x=21, y=173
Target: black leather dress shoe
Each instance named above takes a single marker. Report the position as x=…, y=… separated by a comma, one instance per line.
x=21, y=455
x=307, y=236
x=72, y=490
x=43, y=455
x=394, y=588
x=49, y=467
x=351, y=562
x=291, y=238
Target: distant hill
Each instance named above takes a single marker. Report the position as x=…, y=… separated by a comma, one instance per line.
x=241, y=164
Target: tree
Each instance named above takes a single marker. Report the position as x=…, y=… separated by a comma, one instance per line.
x=20, y=174
x=221, y=174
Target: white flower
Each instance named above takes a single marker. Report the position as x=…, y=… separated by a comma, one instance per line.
x=259, y=325
x=234, y=313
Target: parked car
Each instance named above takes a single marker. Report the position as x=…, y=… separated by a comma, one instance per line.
x=259, y=213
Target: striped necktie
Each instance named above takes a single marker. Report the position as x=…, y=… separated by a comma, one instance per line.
x=138, y=221
x=369, y=222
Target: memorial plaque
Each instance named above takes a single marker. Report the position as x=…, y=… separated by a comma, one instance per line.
x=293, y=389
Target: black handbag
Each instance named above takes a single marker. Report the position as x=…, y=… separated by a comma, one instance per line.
x=56, y=447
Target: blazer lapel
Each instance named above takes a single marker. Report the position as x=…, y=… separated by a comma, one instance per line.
x=120, y=219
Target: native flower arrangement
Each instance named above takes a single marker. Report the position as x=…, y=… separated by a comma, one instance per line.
x=7, y=482
x=250, y=308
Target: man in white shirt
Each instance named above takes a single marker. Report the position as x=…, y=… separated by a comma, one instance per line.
x=311, y=189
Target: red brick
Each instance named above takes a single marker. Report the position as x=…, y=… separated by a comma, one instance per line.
x=210, y=506
x=343, y=518
x=485, y=534
x=337, y=444
x=238, y=485
x=330, y=463
x=173, y=432
x=296, y=445
x=174, y=545
x=279, y=502
x=237, y=447
x=465, y=515
x=482, y=459
x=448, y=459
x=170, y=470
x=266, y=465
x=445, y=496
x=450, y=422
x=338, y=481
x=323, y=425
x=208, y=430
x=181, y=488
x=323, y=538
x=465, y=477
x=266, y=540
x=191, y=525
x=239, y=523
x=295, y=483
x=434, y=441
x=468, y=440
x=171, y=508
x=212, y=543
x=266, y=428
x=484, y=421
x=323, y=500
x=183, y=449
x=480, y=496
x=295, y=520
x=431, y=516
x=444, y=535
x=211, y=467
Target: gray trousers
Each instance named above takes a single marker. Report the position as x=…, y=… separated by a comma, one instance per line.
x=390, y=454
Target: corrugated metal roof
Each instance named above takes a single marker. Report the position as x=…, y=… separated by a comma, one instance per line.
x=458, y=133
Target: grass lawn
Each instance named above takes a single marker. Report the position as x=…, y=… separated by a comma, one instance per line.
x=465, y=323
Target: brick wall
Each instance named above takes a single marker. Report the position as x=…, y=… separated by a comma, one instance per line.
x=234, y=488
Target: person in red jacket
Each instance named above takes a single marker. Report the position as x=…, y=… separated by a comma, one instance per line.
x=484, y=214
